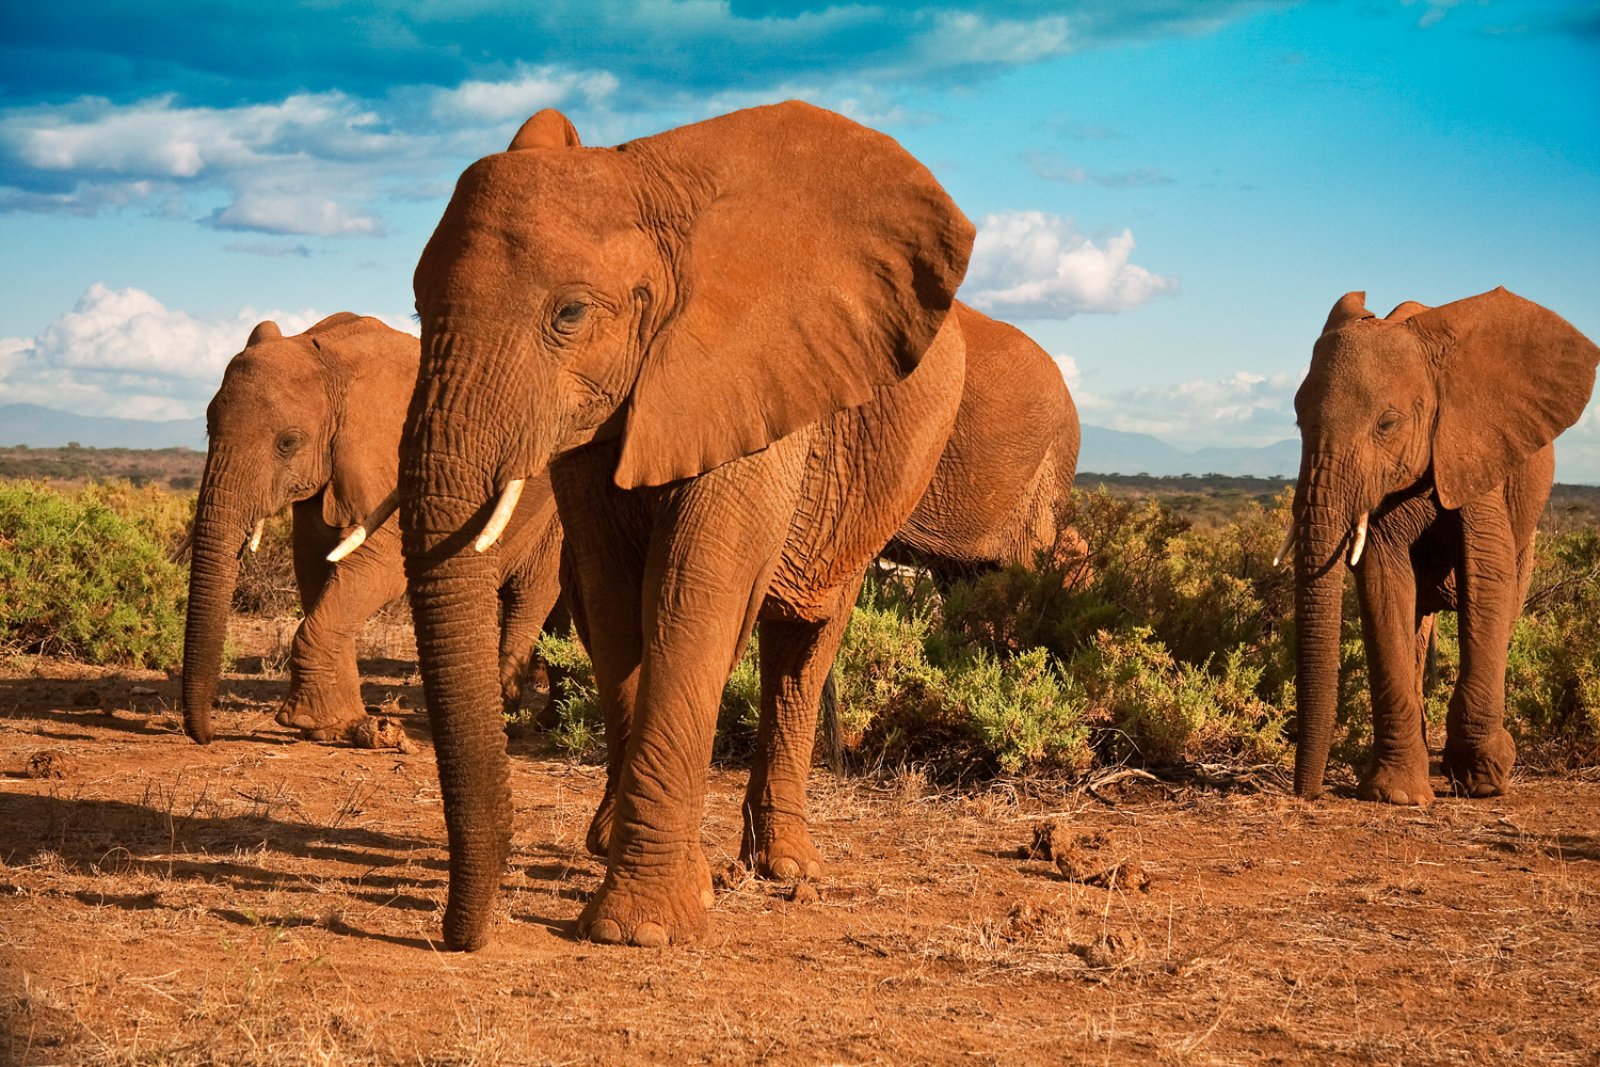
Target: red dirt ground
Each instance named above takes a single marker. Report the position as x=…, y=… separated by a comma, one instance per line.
x=271, y=901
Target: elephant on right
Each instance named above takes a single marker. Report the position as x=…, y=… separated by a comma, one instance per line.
x=1426, y=461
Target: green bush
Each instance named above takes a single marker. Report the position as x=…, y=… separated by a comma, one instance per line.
x=84, y=574
x=1553, y=671
x=580, y=724
x=1175, y=646
x=1162, y=711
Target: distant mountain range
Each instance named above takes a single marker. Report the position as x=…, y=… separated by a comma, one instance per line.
x=1104, y=451
x=1116, y=452
x=39, y=427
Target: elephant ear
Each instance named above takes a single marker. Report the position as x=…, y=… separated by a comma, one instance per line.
x=1512, y=375
x=817, y=261
x=375, y=369
x=266, y=330
x=1405, y=310
x=338, y=318
x=546, y=129
x=1349, y=308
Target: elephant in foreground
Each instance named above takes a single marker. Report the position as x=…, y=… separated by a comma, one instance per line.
x=313, y=421
x=730, y=346
x=1426, y=461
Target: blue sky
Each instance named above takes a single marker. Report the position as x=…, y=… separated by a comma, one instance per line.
x=1170, y=194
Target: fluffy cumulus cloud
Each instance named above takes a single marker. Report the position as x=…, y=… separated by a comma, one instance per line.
x=1243, y=410
x=278, y=161
x=523, y=93
x=1028, y=264
x=123, y=352
x=308, y=119
x=217, y=50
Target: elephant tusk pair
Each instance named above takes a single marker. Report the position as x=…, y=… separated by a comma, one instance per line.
x=357, y=537
x=500, y=517
x=1361, y=540
x=1355, y=549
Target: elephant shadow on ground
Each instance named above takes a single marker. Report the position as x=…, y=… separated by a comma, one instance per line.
x=179, y=839
x=1585, y=847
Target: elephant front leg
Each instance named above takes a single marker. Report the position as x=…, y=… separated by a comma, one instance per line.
x=796, y=657
x=705, y=576
x=1393, y=633
x=324, y=698
x=1478, y=751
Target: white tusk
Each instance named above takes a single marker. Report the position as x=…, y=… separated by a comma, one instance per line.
x=353, y=541
x=358, y=537
x=1361, y=540
x=255, y=536
x=1288, y=543
x=501, y=516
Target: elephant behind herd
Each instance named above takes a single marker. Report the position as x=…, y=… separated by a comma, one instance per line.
x=730, y=357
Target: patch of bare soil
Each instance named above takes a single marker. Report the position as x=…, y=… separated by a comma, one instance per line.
x=264, y=900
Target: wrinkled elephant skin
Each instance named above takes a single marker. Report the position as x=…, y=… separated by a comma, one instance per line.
x=730, y=346
x=1426, y=461
x=312, y=421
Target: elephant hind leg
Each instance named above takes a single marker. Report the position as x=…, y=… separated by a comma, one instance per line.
x=796, y=658
x=324, y=698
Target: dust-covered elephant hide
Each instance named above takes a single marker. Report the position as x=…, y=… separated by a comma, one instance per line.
x=728, y=345
x=313, y=421
x=1426, y=462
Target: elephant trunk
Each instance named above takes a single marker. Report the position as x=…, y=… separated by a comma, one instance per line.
x=1318, y=616
x=221, y=527
x=454, y=463
x=453, y=604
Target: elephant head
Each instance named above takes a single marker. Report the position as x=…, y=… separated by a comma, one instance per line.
x=1456, y=398
x=697, y=294
x=294, y=417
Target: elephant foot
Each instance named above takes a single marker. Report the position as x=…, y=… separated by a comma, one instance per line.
x=651, y=912
x=320, y=720
x=1402, y=785
x=779, y=847
x=598, y=839
x=1482, y=769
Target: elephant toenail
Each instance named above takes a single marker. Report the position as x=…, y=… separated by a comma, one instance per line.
x=650, y=935
x=785, y=869
x=707, y=898
x=605, y=931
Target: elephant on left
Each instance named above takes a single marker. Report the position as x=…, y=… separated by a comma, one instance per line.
x=313, y=421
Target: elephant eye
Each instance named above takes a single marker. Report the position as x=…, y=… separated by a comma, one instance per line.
x=289, y=442
x=1388, y=421
x=570, y=316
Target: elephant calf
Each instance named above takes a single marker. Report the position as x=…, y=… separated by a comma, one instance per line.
x=313, y=421
x=1426, y=461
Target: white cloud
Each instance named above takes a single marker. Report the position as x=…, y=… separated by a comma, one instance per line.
x=516, y=98
x=292, y=213
x=1578, y=450
x=302, y=165
x=960, y=37
x=1245, y=409
x=1034, y=265
x=123, y=352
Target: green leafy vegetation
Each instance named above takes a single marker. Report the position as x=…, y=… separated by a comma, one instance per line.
x=1169, y=644
x=84, y=574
